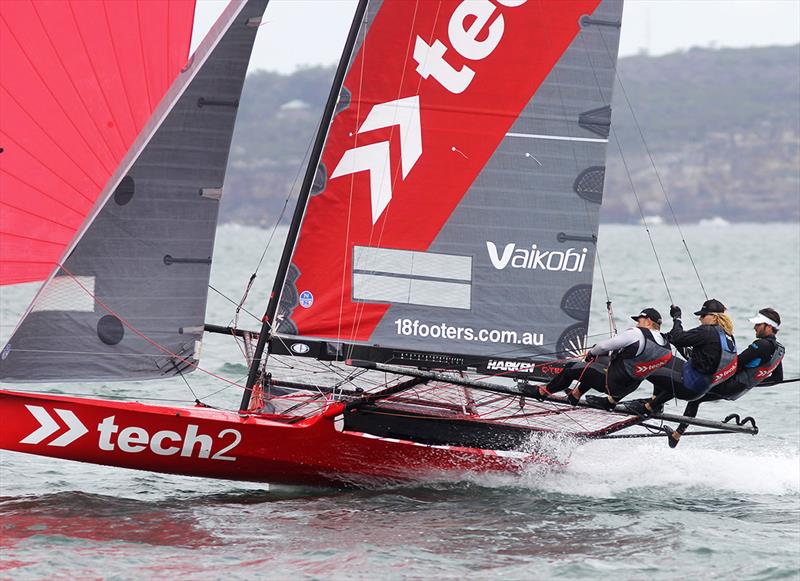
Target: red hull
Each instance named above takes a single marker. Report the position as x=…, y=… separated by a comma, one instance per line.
x=219, y=444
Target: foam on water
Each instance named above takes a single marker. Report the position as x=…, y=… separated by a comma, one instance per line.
x=608, y=468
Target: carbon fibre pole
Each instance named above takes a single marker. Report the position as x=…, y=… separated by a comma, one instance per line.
x=302, y=200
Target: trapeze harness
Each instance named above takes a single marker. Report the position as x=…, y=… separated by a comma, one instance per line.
x=752, y=376
x=652, y=357
x=727, y=360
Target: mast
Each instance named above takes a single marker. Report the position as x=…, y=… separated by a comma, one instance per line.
x=299, y=210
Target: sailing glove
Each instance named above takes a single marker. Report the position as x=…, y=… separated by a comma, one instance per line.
x=675, y=312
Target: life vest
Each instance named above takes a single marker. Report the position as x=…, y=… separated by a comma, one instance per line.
x=652, y=357
x=752, y=376
x=727, y=359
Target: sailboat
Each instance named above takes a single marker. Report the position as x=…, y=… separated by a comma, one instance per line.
x=445, y=231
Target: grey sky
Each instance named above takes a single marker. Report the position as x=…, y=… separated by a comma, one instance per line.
x=308, y=32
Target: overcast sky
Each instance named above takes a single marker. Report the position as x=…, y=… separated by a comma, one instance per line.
x=309, y=32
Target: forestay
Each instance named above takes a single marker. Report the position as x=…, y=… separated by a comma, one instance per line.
x=129, y=299
x=455, y=209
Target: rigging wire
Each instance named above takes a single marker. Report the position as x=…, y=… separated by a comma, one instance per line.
x=661, y=184
x=641, y=213
x=658, y=177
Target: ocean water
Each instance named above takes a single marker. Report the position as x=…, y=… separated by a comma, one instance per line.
x=715, y=507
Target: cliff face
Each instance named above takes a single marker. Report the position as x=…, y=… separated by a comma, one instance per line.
x=723, y=127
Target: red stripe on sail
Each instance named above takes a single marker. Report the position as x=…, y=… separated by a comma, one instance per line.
x=79, y=81
x=460, y=131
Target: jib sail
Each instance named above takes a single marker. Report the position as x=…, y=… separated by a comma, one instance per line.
x=129, y=299
x=455, y=209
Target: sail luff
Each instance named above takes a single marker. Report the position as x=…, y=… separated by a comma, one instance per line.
x=305, y=190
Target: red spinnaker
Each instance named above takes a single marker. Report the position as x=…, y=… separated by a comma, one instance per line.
x=78, y=81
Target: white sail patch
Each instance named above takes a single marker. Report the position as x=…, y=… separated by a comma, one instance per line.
x=66, y=293
x=408, y=277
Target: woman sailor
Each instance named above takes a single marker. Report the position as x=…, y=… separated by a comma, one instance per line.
x=635, y=354
x=710, y=353
x=760, y=363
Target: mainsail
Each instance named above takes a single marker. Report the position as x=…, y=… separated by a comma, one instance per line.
x=454, y=217
x=78, y=82
x=129, y=299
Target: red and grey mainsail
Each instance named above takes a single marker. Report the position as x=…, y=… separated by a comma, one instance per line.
x=128, y=301
x=78, y=81
x=456, y=204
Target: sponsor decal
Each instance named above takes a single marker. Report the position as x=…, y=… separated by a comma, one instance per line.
x=505, y=365
x=48, y=426
x=645, y=369
x=551, y=369
x=375, y=156
x=306, y=299
x=133, y=439
x=724, y=374
x=534, y=258
x=300, y=348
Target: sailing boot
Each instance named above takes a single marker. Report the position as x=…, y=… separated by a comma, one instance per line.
x=673, y=436
x=601, y=402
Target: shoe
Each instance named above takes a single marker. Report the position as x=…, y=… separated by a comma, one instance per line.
x=573, y=401
x=600, y=402
x=637, y=406
x=671, y=439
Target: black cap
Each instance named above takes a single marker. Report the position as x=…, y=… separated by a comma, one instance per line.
x=711, y=306
x=650, y=313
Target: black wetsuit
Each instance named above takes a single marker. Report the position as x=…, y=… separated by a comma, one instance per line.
x=702, y=346
x=757, y=353
x=610, y=379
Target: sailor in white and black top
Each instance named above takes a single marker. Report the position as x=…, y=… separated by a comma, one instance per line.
x=634, y=354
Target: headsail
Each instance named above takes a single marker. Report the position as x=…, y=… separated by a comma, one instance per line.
x=79, y=81
x=456, y=206
x=129, y=299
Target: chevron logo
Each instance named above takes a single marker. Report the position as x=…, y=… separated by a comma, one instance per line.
x=375, y=156
x=48, y=426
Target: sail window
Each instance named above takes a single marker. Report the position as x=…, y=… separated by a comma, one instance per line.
x=125, y=190
x=410, y=277
x=589, y=184
x=110, y=330
x=67, y=294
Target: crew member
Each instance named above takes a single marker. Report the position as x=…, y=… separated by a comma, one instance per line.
x=710, y=353
x=759, y=364
x=634, y=354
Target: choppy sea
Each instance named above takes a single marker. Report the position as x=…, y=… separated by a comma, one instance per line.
x=720, y=507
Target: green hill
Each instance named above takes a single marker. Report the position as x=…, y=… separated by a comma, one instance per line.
x=723, y=127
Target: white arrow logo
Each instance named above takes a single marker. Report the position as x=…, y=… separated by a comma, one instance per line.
x=48, y=426
x=375, y=157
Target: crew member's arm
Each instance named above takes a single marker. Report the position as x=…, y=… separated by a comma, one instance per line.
x=757, y=350
x=617, y=342
x=685, y=339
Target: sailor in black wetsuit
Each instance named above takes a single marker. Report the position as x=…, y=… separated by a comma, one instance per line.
x=759, y=364
x=634, y=354
x=710, y=353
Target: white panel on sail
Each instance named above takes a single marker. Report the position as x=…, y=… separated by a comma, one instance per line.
x=413, y=278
